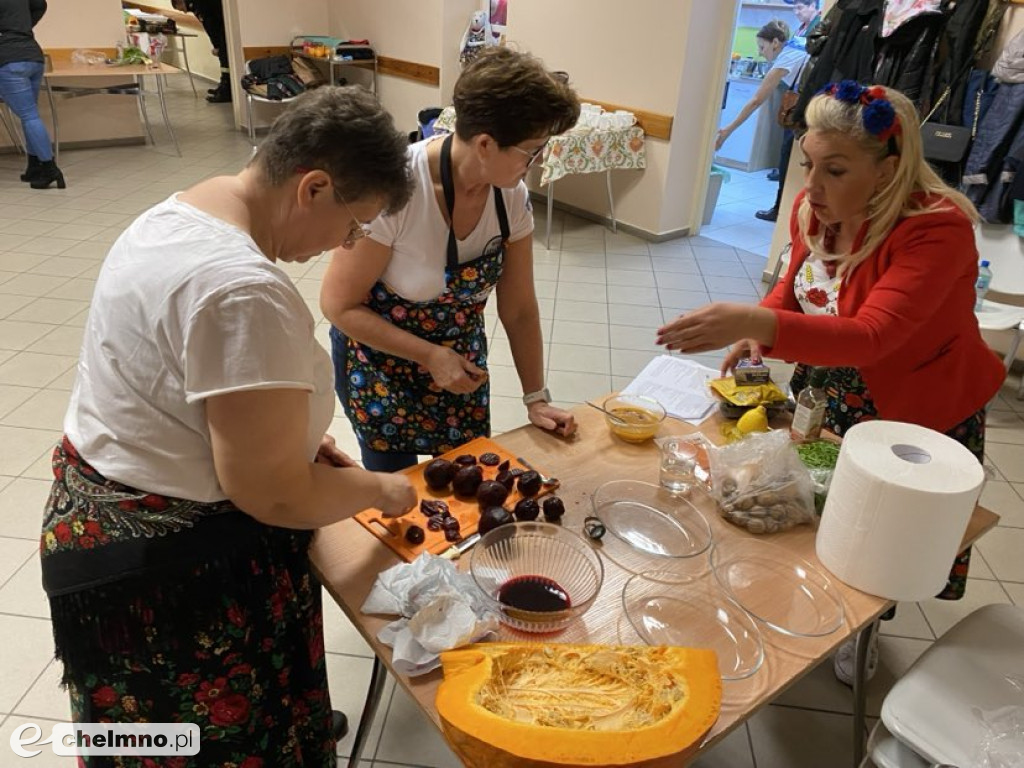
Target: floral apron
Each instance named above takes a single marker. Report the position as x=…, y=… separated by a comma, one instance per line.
x=849, y=402
x=394, y=404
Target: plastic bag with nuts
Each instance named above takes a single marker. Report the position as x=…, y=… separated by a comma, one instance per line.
x=761, y=484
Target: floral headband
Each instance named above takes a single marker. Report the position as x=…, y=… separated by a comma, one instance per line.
x=877, y=114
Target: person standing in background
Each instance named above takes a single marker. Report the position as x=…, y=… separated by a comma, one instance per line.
x=809, y=16
x=21, y=75
x=787, y=63
x=211, y=14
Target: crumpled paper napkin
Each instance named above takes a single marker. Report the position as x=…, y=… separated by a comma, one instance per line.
x=440, y=607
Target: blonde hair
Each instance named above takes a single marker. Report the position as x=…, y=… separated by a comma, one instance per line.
x=903, y=196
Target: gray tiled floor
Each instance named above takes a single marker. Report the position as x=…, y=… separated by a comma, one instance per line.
x=602, y=297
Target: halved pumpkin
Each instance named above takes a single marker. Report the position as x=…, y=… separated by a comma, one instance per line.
x=507, y=705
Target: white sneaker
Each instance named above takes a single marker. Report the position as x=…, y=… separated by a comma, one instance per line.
x=845, y=659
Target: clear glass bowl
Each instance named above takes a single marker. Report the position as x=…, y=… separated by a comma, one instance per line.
x=634, y=418
x=778, y=588
x=694, y=614
x=538, y=577
x=647, y=527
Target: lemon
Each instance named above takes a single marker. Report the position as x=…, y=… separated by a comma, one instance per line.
x=754, y=420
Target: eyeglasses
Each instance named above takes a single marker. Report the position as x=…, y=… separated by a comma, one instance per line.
x=532, y=155
x=358, y=231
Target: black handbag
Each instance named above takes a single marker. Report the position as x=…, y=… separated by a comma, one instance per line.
x=945, y=143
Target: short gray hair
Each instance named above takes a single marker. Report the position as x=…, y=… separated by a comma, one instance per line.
x=345, y=132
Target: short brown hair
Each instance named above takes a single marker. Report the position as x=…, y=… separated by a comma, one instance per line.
x=512, y=97
x=776, y=29
x=345, y=132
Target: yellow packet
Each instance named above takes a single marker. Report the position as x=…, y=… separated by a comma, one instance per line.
x=747, y=395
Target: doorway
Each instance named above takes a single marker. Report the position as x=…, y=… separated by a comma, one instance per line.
x=746, y=165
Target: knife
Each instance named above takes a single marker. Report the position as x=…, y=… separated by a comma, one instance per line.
x=455, y=551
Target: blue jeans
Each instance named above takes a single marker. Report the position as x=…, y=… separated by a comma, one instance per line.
x=19, y=89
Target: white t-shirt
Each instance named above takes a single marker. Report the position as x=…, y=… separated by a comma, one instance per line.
x=792, y=60
x=418, y=234
x=186, y=307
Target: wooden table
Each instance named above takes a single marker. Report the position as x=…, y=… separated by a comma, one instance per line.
x=132, y=85
x=348, y=560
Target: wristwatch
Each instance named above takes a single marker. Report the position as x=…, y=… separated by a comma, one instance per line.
x=541, y=395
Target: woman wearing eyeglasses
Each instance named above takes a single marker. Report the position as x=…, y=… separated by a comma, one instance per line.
x=194, y=467
x=407, y=303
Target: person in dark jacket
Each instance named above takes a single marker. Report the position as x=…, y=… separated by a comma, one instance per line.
x=21, y=74
x=211, y=14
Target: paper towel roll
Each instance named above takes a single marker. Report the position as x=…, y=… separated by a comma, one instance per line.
x=899, y=503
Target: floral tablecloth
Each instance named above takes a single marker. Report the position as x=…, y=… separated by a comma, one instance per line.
x=581, y=150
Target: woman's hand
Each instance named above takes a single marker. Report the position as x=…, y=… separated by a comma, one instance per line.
x=717, y=325
x=547, y=416
x=330, y=454
x=741, y=349
x=453, y=372
x=723, y=134
x=397, y=496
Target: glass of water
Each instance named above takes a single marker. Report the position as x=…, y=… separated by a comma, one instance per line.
x=678, y=462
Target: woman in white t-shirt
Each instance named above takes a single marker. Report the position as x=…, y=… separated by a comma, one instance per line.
x=407, y=303
x=194, y=467
x=787, y=63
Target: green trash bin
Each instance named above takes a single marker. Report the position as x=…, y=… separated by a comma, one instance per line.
x=718, y=176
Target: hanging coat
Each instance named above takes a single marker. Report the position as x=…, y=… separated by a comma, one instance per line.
x=996, y=132
x=852, y=27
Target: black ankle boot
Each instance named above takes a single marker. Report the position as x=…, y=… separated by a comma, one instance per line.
x=47, y=173
x=32, y=169
x=222, y=93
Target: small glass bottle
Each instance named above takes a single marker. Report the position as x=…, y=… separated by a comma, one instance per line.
x=810, y=407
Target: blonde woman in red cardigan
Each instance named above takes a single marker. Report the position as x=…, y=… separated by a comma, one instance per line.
x=880, y=286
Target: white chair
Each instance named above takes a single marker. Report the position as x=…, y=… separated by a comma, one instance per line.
x=249, y=99
x=993, y=316
x=964, y=691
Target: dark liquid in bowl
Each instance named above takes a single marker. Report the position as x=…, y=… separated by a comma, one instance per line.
x=534, y=593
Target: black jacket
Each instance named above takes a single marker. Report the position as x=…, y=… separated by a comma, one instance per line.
x=17, y=17
x=852, y=27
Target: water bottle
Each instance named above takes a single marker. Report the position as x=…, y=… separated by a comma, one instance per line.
x=981, y=287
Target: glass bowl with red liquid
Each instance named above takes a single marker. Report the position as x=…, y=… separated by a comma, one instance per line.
x=538, y=577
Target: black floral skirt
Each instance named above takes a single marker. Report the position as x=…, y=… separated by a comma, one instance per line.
x=850, y=402
x=171, y=611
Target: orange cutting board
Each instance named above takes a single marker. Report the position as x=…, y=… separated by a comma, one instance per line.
x=392, y=530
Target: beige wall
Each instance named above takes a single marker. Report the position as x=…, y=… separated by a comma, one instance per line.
x=698, y=110
x=86, y=24
x=658, y=56
x=272, y=22
x=255, y=23
x=399, y=29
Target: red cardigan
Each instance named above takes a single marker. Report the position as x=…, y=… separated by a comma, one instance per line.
x=906, y=322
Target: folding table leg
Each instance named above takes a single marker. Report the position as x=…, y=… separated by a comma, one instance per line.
x=53, y=121
x=551, y=204
x=141, y=95
x=167, y=118
x=184, y=58
x=611, y=200
x=860, y=692
x=378, y=677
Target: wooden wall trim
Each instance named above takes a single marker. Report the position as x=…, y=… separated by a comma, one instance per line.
x=409, y=70
x=386, y=65
x=655, y=125
x=262, y=51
